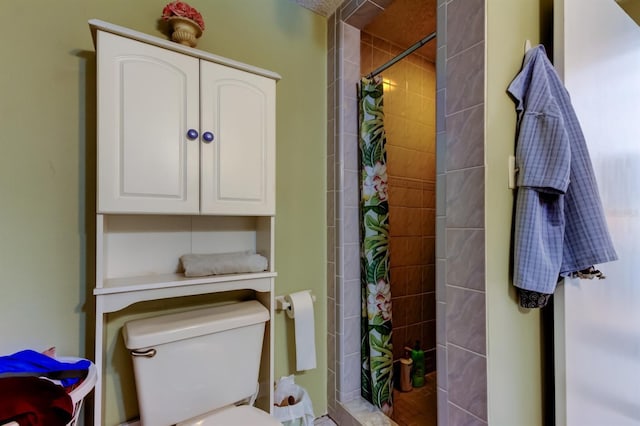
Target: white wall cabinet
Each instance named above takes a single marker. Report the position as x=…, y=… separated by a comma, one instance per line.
x=180, y=134
x=186, y=164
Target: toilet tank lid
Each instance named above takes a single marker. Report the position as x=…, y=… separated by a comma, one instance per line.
x=147, y=332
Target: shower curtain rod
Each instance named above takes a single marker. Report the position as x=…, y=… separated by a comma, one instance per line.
x=407, y=52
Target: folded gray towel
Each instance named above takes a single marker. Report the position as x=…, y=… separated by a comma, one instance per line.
x=200, y=265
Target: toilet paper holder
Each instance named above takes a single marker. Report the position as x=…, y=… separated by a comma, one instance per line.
x=283, y=305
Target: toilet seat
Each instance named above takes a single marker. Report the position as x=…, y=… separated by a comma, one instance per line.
x=243, y=415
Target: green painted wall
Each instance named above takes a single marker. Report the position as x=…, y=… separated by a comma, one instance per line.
x=47, y=134
x=513, y=334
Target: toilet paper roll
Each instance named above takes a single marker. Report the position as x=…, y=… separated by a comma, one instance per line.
x=301, y=310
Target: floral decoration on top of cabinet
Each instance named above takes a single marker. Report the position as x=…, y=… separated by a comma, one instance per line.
x=185, y=22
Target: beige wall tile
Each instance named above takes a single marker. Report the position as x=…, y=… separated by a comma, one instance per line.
x=414, y=250
x=394, y=128
x=366, y=57
x=379, y=56
x=428, y=78
x=414, y=333
x=398, y=221
x=399, y=311
x=398, y=281
x=427, y=112
x=429, y=167
x=429, y=278
x=414, y=106
x=396, y=161
x=414, y=221
x=395, y=98
x=429, y=198
x=413, y=310
x=403, y=196
x=418, y=137
x=399, y=339
x=428, y=222
x=398, y=250
x=414, y=280
x=429, y=250
x=417, y=164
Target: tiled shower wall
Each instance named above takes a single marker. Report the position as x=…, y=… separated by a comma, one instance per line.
x=460, y=306
x=461, y=339
x=409, y=107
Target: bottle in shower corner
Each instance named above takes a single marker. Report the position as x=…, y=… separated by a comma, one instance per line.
x=406, y=367
x=417, y=355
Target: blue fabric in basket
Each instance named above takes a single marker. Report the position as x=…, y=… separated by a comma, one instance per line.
x=32, y=363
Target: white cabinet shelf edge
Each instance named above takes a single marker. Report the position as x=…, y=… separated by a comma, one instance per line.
x=96, y=24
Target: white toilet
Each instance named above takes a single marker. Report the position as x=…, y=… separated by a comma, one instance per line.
x=195, y=367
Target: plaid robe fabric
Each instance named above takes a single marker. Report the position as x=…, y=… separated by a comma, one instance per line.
x=560, y=228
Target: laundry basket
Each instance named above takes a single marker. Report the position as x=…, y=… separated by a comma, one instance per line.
x=82, y=390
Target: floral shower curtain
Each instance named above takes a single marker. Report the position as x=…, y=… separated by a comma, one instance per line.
x=376, y=350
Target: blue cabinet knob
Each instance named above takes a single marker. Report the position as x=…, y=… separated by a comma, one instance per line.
x=192, y=134
x=207, y=136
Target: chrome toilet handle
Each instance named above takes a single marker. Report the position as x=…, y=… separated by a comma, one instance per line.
x=149, y=353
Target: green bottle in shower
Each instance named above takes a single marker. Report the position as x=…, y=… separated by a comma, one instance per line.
x=417, y=355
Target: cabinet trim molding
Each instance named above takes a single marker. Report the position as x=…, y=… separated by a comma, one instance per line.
x=96, y=24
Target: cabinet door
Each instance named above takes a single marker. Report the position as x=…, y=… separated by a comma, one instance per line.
x=147, y=101
x=238, y=166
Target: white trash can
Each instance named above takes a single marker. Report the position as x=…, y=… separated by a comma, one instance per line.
x=292, y=404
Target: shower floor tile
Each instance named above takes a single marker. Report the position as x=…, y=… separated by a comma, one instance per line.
x=418, y=406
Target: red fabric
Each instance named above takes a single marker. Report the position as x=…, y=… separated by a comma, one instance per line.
x=32, y=401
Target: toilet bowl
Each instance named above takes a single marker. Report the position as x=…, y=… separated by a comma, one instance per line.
x=199, y=367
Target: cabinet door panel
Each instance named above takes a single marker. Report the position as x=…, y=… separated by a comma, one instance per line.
x=237, y=168
x=148, y=99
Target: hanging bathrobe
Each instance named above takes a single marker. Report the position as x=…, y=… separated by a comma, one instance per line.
x=559, y=229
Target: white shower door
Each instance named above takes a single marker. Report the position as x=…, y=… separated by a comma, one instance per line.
x=597, y=323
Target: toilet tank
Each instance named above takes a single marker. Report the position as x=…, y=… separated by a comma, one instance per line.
x=192, y=362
